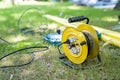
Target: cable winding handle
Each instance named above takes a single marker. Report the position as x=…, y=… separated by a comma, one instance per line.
x=78, y=18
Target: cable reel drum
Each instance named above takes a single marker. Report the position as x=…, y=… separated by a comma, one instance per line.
x=80, y=43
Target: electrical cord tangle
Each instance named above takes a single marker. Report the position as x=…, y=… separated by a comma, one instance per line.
x=4, y=40
x=27, y=48
x=44, y=48
x=25, y=11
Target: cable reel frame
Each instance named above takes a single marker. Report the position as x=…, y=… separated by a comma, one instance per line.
x=80, y=43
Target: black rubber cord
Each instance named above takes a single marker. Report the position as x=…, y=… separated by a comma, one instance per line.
x=25, y=11
x=4, y=40
x=23, y=49
x=66, y=42
x=27, y=48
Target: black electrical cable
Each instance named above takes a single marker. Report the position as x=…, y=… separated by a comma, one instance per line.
x=19, y=20
x=4, y=40
x=66, y=42
x=58, y=47
x=27, y=48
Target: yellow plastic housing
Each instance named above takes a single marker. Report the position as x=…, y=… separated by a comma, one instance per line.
x=79, y=36
x=106, y=34
x=82, y=55
x=89, y=29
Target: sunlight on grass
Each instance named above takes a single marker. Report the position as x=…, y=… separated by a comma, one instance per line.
x=22, y=44
x=39, y=54
x=26, y=73
x=74, y=7
x=35, y=3
x=52, y=26
x=17, y=38
x=2, y=18
x=16, y=15
x=25, y=57
x=6, y=61
x=109, y=19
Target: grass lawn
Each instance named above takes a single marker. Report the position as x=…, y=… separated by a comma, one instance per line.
x=47, y=66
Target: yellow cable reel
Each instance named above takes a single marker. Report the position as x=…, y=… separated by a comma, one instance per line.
x=83, y=43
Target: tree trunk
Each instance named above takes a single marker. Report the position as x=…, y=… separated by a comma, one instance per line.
x=61, y=1
x=13, y=2
x=117, y=5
